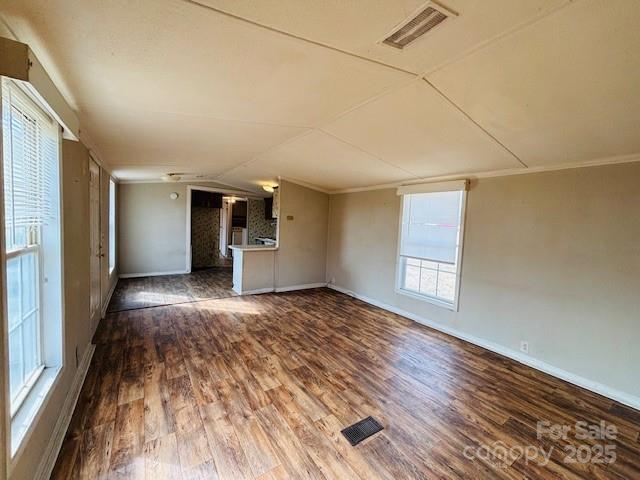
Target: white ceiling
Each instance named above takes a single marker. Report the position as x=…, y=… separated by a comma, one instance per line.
x=244, y=91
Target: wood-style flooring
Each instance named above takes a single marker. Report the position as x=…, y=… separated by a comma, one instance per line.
x=145, y=292
x=259, y=387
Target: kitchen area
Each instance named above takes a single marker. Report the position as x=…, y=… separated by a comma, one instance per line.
x=254, y=259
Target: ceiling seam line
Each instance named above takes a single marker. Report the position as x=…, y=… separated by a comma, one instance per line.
x=470, y=118
x=256, y=157
x=299, y=38
x=319, y=125
x=367, y=153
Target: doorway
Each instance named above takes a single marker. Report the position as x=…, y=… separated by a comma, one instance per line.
x=233, y=224
x=213, y=217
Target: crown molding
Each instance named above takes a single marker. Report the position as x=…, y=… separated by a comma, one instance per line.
x=619, y=159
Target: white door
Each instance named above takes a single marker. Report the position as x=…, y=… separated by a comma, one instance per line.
x=94, y=236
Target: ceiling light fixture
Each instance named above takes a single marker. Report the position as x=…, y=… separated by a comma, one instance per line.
x=171, y=177
x=268, y=188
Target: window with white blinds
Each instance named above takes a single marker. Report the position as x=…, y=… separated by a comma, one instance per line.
x=31, y=143
x=32, y=233
x=430, y=245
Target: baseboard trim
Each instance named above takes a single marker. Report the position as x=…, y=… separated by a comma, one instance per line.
x=291, y=288
x=305, y=286
x=52, y=450
x=593, y=386
x=255, y=292
x=152, y=274
x=103, y=313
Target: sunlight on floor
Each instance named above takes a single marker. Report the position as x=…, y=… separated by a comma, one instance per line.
x=160, y=298
x=231, y=305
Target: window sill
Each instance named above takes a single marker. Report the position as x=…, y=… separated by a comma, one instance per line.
x=26, y=390
x=425, y=298
x=27, y=415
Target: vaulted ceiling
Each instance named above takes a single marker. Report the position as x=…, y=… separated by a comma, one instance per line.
x=242, y=92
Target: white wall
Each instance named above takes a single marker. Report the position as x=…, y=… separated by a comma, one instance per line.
x=551, y=258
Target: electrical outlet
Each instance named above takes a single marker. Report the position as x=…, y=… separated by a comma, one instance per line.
x=524, y=346
x=333, y=280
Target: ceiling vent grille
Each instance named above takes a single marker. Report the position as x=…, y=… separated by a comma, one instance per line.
x=426, y=20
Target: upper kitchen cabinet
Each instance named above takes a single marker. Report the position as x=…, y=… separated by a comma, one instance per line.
x=268, y=208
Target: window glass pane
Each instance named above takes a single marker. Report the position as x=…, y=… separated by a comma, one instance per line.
x=14, y=297
x=428, y=264
x=30, y=339
x=446, y=267
x=20, y=236
x=446, y=285
x=412, y=278
x=412, y=261
x=29, y=282
x=15, y=361
x=428, y=281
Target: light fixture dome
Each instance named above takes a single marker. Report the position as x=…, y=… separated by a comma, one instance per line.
x=171, y=177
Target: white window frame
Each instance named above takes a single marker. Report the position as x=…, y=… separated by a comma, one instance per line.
x=432, y=188
x=112, y=225
x=17, y=400
x=26, y=408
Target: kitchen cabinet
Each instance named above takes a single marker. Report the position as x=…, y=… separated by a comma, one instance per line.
x=268, y=208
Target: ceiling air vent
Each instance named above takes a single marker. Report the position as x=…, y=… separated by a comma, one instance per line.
x=425, y=20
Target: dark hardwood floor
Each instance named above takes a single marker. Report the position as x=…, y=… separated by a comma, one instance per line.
x=144, y=292
x=259, y=387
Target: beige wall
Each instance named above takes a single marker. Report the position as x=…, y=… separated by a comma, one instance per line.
x=551, y=258
x=152, y=227
x=75, y=192
x=302, y=241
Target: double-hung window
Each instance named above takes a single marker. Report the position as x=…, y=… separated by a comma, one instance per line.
x=430, y=246
x=32, y=241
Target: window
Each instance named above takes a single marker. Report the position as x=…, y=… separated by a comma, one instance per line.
x=430, y=242
x=32, y=241
x=112, y=225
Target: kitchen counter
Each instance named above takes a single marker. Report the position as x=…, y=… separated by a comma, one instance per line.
x=253, y=268
x=266, y=241
x=249, y=248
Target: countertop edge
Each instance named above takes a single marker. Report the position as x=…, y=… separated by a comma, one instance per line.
x=249, y=248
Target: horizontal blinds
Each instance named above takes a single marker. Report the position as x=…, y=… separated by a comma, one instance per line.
x=431, y=226
x=30, y=150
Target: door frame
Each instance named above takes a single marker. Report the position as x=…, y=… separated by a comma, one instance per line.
x=96, y=315
x=236, y=193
